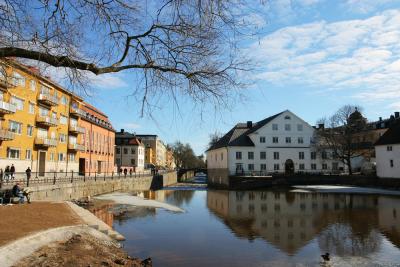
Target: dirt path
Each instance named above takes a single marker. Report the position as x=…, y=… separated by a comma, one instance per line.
x=20, y=220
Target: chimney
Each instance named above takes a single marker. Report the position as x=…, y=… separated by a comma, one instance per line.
x=249, y=124
x=380, y=118
x=122, y=130
x=397, y=114
x=321, y=126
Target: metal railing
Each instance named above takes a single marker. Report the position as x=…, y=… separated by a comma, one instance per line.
x=73, y=146
x=46, y=120
x=288, y=173
x=75, y=128
x=6, y=135
x=48, y=98
x=8, y=180
x=77, y=111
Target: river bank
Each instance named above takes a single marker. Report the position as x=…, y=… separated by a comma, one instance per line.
x=58, y=234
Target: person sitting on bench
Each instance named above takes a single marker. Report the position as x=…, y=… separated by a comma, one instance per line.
x=18, y=192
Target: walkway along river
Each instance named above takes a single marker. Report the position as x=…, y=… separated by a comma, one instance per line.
x=263, y=228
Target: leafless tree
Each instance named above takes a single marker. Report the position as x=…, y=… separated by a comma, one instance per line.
x=341, y=133
x=174, y=47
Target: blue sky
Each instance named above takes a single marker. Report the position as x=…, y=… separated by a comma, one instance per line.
x=313, y=56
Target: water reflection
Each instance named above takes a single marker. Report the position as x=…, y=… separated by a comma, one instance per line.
x=344, y=225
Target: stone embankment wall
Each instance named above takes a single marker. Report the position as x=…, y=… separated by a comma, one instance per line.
x=187, y=175
x=67, y=191
x=218, y=178
x=248, y=182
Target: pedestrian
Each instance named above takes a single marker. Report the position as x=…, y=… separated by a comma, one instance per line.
x=28, y=175
x=7, y=173
x=130, y=172
x=125, y=172
x=1, y=175
x=12, y=171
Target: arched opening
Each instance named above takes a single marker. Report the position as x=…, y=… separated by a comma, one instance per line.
x=289, y=166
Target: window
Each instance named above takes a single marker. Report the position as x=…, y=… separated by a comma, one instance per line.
x=389, y=148
x=251, y=167
x=31, y=108
x=17, y=79
x=64, y=100
x=117, y=150
x=313, y=166
x=61, y=156
x=133, y=161
x=72, y=139
x=54, y=115
x=133, y=151
x=276, y=167
x=239, y=167
x=238, y=155
x=15, y=127
x=275, y=140
x=51, y=156
x=41, y=133
x=324, y=155
x=71, y=157
x=125, y=151
x=29, y=130
x=44, y=89
x=300, y=140
x=301, y=155
x=33, y=85
x=222, y=156
x=263, y=167
x=301, y=166
x=288, y=140
x=276, y=155
x=335, y=166
x=28, y=154
x=13, y=153
x=250, y=155
x=18, y=102
x=118, y=161
x=43, y=112
x=262, y=139
x=391, y=163
x=263, y=155
x=324, y=166
x=287, y=127
x=313, y=155
x=63, y=138
x=300, y=127
x=275, y=127
x=64, y=120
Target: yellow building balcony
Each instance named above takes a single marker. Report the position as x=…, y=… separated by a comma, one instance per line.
x=77, y=112
x=7, y=108
x=76, y=147
x=45, y=142
x=46, y=120
x=48, y=99
x=6, y=135
x=75, y=129
x=4, y=85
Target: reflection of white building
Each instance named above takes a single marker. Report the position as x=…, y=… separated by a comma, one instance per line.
x=387, y=150
x=287, y=220
x=389, y=218
x=280, y=143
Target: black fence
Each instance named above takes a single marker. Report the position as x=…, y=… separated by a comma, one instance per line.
x=310, y=172
x=51, y=178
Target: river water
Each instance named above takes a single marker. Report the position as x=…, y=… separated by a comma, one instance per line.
x=264, y=228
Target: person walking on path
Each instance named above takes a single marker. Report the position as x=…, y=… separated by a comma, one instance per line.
x=125, y=172
x=28, y=175
x=12, y=171
x=130, y=172
x=7, y=173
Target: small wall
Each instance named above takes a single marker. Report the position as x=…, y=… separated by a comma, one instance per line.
x=186, y=175
x=67, y=191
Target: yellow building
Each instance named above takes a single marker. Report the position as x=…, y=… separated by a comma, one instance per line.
x=149, y=157
x=39, y=122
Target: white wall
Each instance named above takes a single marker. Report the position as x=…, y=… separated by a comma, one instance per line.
x=126, y=159
x=383, y=157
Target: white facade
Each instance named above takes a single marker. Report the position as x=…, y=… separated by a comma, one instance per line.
x=130, y=156
x=388, y=161
x=284, y=140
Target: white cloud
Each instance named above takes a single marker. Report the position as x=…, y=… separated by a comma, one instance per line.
x=357, y=56
x=107, y=81
x=131, y=125
x=365, y=6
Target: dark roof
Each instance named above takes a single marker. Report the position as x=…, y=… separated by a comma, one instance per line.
x=238, y=135
x=391, y=136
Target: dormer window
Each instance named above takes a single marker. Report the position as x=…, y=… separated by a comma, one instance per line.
x=287, y=117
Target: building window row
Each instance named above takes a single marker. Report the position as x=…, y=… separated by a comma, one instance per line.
x=287, y=127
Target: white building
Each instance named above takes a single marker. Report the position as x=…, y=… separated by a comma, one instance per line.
x=158, y=147
x=282, y=143
x=129, y=151
x=387, y=150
